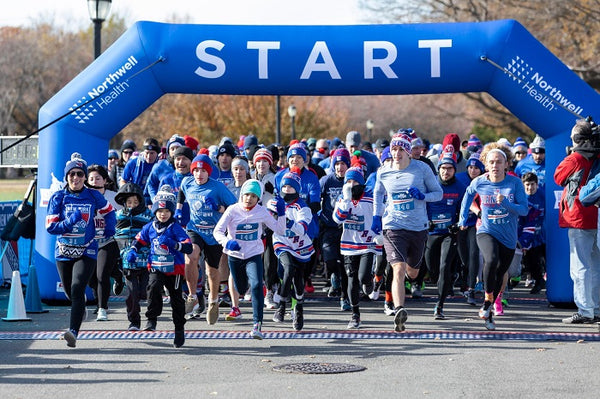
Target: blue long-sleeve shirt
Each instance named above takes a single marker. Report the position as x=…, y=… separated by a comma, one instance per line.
x=444, y=213
x=498, y=220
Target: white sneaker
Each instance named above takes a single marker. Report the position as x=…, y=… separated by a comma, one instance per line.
x=102, y=315
x=190, y=302
x=269, y=303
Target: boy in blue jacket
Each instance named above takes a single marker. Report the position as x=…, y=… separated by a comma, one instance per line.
x=168, y=242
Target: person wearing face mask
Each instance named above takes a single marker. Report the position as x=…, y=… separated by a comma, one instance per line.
x=71, y=218
x=354, y=212
x=441, y=250
x=130, y=219
x=294, y=248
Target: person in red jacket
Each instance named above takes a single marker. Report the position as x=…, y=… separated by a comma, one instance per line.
x=572, y=173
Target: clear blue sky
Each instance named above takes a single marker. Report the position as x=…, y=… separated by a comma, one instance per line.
x=74, y=13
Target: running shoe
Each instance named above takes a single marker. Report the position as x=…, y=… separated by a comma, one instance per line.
x=269, y=303
x=134, y=327
x=256, y=332
x=577, y=318
x=150, y=325
x=71, y=337
x=485, y=313
x=498, y=308
x=190, y=302
x=489, y=323
x=388, y=309
x=438, y=313
x=333, y=292
x=298, y=317
x=471, y=297
x=102, y=315
x=368, y=288
x=279, y=314
x=225, y=300
x=212, y=315
x=376, y=287
x=479, y=287
x=400, y=317
x=345, y=304
x=354, y=322
x=529, y=283
x=235, y=314
x=416, y=291
x=308, y=287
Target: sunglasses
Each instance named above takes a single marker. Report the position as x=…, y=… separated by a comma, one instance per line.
x=78, y=173
x=128, y=152
x=521, y=152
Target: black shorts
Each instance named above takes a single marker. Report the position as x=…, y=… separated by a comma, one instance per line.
x=212, y=253
x=405, y=246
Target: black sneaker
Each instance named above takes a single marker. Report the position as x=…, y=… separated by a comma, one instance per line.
x=118, y=287
x=134, y=327
x=354, y=322
x=179, y=339
x=71, y=337
x=279, y=313
x=577, y=318
x=298, y=321
x=150, y=325
x=400, y=317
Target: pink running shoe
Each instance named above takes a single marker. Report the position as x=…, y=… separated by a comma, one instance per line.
x=498, y=309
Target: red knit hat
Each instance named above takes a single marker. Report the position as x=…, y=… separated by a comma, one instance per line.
x=452, y=138
x=265, y=154
x=191, y=142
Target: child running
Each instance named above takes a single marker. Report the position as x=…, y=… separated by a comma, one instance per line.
x=239, y=231
x=168, y=241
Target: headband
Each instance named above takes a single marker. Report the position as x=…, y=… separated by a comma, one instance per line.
x=500, y=151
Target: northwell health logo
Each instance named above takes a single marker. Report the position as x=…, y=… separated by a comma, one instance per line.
x=106, y=92
x=542, y=91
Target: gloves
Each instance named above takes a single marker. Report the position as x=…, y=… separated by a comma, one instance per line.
x=233, y=245
x=169, y=242
x=211, y=204
x=415, y=193
x=74, y=217
x=269, y=187
x=289, y=223
x=280, y=206
x=131, y=255
x=431, y=226
x=178, y=215
x=376, y=227
x=347, y=192
x=454, y=228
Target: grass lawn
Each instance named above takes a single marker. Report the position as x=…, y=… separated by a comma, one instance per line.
x=13, y=189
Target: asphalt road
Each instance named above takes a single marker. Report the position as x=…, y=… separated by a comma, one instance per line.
x=530, y=355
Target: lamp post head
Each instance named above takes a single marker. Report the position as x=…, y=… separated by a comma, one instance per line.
x=370, y=124
x=99, y=9
x=292, y=111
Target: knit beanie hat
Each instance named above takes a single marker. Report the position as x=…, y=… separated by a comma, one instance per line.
x=474, y=144
x=341, y=155
x=227, y=148
x=504, y=141
x=250, y=141
x=76, y=162
x=291, y=178
x=355, y=173
x=251, y=186
x=202, y=161
x=164, y=199
x=175, y=140
x=385, y=154
x=128, y=145
x=185, y=151
x=519, y=142
x=297, y=149
x=452, y=138
x=538, y=144
x=474, y=161
x=263, y=153
x=191, y=142
x=447, y=157
x=240, y=162
x=401, y=139
x=113, y=154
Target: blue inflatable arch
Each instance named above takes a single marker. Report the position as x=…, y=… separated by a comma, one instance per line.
x=152, y=59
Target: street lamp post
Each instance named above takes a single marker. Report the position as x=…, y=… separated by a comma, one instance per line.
x=370, y=126
x=292, y=113
x=98, y=10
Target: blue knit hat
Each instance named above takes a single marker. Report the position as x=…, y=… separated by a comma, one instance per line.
x=164, y=199
x=385, y=154
x=354, y=173
x=291, y=178
x=175, y=139
x=447, y=157
x=251, y=186
x=297, y=149
x=341, y=155
x=113, y=154
x=76, y=162
x=474, y=144
x=474, y=161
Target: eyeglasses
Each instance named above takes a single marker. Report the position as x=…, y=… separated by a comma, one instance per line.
x=521, y=152
x=77, y=173
x=128, y=152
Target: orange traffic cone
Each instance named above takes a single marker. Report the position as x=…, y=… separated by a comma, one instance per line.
x=16, y=304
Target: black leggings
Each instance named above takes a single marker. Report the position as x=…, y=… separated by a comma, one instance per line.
x=439, y=255
x=293, y=274
x=106, y=267
x=172, y=283
x=496, y=261
x=74, y=275
x=534, y=260
x=270, y=262
x=359, y=271
x=469, y=254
